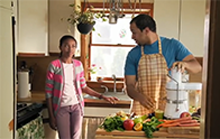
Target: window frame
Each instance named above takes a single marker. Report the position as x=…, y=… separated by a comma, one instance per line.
x=88, y=39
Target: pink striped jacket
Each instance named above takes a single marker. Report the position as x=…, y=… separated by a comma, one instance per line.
x=55, y=82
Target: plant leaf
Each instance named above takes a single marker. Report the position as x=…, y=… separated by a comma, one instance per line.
x=72, y=5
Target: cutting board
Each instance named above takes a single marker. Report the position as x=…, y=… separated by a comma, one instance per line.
x=184, y=130
x=171, y=132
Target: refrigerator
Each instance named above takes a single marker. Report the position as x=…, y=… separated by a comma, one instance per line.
x=7, y=70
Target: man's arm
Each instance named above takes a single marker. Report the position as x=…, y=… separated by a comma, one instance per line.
x=130, y=81
x=189, y=63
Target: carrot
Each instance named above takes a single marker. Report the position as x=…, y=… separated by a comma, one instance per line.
x=189, y=125
x=171, y=125
x=177, y=120
x=168, y=125
x=188, y=121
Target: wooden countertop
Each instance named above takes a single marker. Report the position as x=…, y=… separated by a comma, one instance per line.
x=170, y=132
x=36, y=97
x=39, y=97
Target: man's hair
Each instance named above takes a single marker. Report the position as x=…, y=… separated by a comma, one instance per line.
x=143, y=20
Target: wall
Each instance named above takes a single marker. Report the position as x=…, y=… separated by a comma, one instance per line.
x=6, y=70
x=59, y=11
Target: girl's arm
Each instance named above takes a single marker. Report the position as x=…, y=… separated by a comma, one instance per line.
x=48, y=91
x=91, y=92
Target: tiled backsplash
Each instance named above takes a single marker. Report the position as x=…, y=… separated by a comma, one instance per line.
x=41, y=64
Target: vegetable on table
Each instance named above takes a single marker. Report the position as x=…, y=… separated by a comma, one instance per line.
x=182, y=122
x=113, y=123
x=151, y=126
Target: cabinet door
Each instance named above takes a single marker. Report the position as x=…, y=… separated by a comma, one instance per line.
x=166, y=15
x=58, y=10
x=6, y=72
x=90, y=126
x=32, y=26
x=192, y=25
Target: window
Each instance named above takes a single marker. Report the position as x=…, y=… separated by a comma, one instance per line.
x=109, y=49
x=113, y=34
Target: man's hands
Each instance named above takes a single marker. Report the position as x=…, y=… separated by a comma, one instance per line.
x=180, y=66
x=112, y=100
x=147, y=102
x=52, y=122
x=189, y=63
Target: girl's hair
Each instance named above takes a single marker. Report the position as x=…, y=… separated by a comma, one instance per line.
x=63, y=39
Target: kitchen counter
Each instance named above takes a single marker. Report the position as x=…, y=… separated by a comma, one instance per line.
x=170, y=132
x=39, y=97
x=36, y=97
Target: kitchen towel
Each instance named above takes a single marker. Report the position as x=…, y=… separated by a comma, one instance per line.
x=23, y=84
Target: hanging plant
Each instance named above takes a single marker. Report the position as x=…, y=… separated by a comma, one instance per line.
x=84, y=20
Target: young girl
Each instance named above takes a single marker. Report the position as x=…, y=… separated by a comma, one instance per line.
x=64, y=85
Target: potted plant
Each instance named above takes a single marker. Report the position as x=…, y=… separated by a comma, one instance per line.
x=84, y=19
x=93, y=70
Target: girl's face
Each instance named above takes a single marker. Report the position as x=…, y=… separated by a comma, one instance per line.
x=68, y=48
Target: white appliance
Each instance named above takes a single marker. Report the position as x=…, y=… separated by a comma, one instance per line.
x=177, y=95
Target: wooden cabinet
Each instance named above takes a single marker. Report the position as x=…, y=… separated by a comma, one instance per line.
x=59, y=11
x=166, y=15
x=183, y=20
x=6, y=70
x=32, y=25
x=89, y=127
x=193, y=25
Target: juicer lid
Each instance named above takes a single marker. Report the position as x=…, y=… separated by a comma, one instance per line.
x=184, y=86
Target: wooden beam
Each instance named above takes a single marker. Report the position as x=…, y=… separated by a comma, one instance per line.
x=211, y=73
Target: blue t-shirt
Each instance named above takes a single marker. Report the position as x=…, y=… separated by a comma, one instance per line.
x=172, y=50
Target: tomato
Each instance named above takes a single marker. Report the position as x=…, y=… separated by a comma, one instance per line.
x=128, y=124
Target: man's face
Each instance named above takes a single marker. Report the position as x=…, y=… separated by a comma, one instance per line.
x=139, y=37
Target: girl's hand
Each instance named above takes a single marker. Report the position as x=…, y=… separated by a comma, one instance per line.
x=112, y=100
x=52, y=122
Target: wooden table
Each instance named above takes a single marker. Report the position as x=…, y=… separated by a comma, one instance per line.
x=171, y=132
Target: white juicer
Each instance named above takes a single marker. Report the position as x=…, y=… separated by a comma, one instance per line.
x=177, y=95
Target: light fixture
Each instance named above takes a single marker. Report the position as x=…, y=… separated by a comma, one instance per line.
x=115, y=10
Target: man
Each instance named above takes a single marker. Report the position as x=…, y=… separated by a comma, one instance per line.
x=148, y=63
